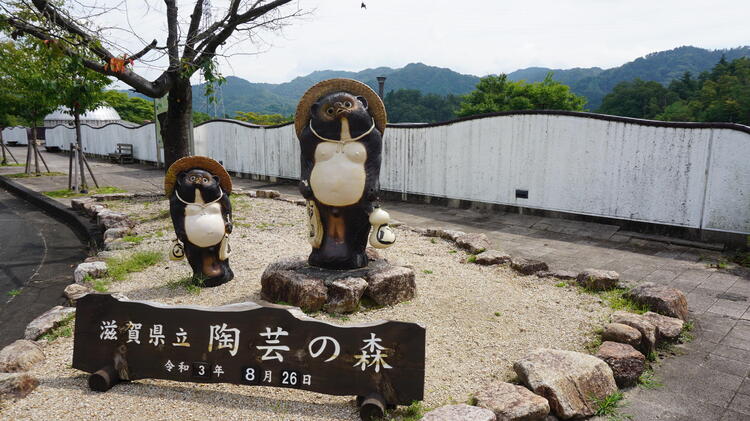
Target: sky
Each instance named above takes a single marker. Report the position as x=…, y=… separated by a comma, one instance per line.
x=469, y=36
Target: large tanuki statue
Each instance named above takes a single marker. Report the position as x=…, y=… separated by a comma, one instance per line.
x=339, y=123
x=198, y=189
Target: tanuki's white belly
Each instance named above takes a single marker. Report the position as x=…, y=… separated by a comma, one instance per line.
x=204, y=226
x=338, y=175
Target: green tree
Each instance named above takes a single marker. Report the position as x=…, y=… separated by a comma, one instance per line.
x=199, y=117
x=498, y=93
x=638, y=99
x=410, y=105
x=263, y=119
x=32, y=86
x=134, y=109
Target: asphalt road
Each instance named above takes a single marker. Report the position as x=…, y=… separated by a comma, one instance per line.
x=37, y=258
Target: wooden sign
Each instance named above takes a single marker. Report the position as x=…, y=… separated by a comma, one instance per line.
x=247, y=344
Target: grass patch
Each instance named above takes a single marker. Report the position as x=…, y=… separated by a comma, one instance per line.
x=610, y=407
x=427, y=272
x=652, y=357
x=190, y=285
x=452, y=251
x=342, y=317
x=561, y=284
x=65, y=193
x=63, y=329
x=686, y=335
x=648, y=380
x=100, y=285
x=413, y=412
x=471, y=259
x=14, y=292
x=498, y=314
x=24, y=175
x=12, y=165
x=433, y=241
x=592, y=346
x=135, y=239
x=742, y=258
x=136, y=262
x=617, y=300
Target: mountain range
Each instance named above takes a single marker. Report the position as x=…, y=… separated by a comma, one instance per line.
x=238, y=94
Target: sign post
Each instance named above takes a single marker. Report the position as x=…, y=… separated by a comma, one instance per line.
x=381, y=363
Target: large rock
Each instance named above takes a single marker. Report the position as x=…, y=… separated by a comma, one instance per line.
x=391, y=285
x=492, y=257
x=460, y=412
x=626, y=362
x=115, y=233
x=311, y=288
x=268, y=194
x=47, y=321
x=92, y=208
x=598, y=280
x=661, y=299
x=642, y=324
x=118, y=244
x=75, y=292
x=528, y=266
x=79, y=202
x=624, y=334
x=570, y=381
x=668, y=329
x=283, y=281
x=17, y=385
x=344, y=295
x=511, y=402
x=110, y=219
x=21, y=355
x=474, y=243
x=92, y=269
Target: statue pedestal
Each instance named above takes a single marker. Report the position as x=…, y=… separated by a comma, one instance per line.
x=293, y=281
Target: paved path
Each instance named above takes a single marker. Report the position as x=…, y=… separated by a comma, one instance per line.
x=37, y=257
x=709, y=382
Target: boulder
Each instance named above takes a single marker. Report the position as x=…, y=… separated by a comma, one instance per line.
x=492, y=257
x=115, y=233
x=344, y=295
x=460, y=412
x=528, y=266
x=647, y=329
x=474, y=243
x=92, y=208
x=118, y=244
x=570, y=381
x=110, y=219
x=268, y=194
x=451, y=235
x=511, y=402
x=283, y=281
x=21, y=355
x=106, y=254
x=79, y=202
x=622, y=333
x=17, y=385
x=391, y=285
x=626, y=362
x=47, y=321
x=564, y=275
x=74, y=292
x=92, y=269
x=668, y=329
x=598, y=280
x=661, y=299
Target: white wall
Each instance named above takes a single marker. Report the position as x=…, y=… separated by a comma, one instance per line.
x=687, y=175
x=15, y=134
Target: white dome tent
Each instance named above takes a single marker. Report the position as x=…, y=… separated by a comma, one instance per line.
x=97, y=118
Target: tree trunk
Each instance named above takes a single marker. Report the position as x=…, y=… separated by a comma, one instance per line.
x=35, y=151
x=2, y=146
x=29, y=152
x=77, y=118
x=178, y=122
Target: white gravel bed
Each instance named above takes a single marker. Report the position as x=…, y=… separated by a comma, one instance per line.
x=478, y=319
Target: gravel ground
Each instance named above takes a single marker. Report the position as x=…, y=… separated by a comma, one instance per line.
x=479, y=320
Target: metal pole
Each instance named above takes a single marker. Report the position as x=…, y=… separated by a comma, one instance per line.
x=381, y=85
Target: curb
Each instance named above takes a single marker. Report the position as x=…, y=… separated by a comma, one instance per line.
x=84, y=229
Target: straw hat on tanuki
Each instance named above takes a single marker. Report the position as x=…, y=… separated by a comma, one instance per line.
x=202, y=162
x=374, y=103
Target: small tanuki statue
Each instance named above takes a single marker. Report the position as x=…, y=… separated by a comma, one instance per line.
x=198, y=189
x=339, y=124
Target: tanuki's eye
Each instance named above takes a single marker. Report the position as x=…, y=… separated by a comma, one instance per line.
x=205, y=180
x=192, y=178
x=330, y=111
x=348, y=104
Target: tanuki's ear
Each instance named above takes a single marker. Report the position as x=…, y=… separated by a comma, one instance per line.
x=363, y=101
